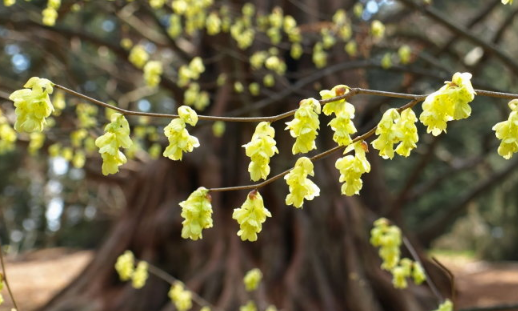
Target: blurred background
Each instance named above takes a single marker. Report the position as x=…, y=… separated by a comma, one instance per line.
x=63, y=224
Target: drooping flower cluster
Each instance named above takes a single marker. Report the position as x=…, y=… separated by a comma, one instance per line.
x=33, y=105
x=342, y=123
x=304, y=126
x=179, y=139
x=125, y=267
x=152, y=72
x=197, y=214
x=300, y=186
x=447, y=305
x=252, y=279
x=138, y=56
x=251, y=216
x=181, y=297
x=352, y=168
x=450, y=102
x=260, y=149
x=507, y=1
x=394, y=128
x=140, y=275
x=507, y=132
x=388, y=238
x=50, y=13
x=116, y=136
x=7, y=135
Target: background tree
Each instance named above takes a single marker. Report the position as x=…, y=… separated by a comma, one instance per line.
x=315, y=258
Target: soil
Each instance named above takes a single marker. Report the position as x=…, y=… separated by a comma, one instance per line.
x=36, y=276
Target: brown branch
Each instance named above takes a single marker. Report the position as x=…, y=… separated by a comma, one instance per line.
x=438, y=17
x=436, y=225
x=6, y=281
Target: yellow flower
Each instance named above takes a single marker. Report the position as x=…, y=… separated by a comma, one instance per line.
x=260, y=149
x=197, y=214
x=139, y=277
x=181, y=297
x=138, y=56
x=300, y=186
x=125, y=265
x=405, y=54
x=450, y=102
x=507, y=1
x=388, y=238
x=341, y=124
x=49, y=16
x=152, y=72
x=252, y=279
x=507, y=132
x=447, y=305
x=32, y=105
x=179, y=139
x=250, y=306
x=388, y=134
x=377, y=29
x=304, y=126
x=407, y=132
x=352, y=168
x=251, y=216
x=116, y=136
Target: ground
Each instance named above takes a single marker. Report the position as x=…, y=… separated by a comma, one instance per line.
x=35, y=277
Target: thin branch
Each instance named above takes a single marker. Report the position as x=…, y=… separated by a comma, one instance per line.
x=161, y=274
x=313, y=159
x=463, y=32
x=450, y=275
x=4, y=271
x=430, y=282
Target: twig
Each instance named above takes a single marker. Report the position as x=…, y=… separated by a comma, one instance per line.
x=5, y=278
x=450, y=275
x=430, y=282
x=161, y=274
x=314, y=158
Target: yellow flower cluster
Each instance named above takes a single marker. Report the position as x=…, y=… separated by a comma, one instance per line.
x=342, y=123
x=304, y=126
x=300, y=186
x=197, y=214
x=50, y=13
x=252, y=279
x=181, y=297
x=179, y=139
x=507, y=132
x=447, y=305
x=377, y=29
x=116, y=136
x=388, y=238
x=190, y=72
x=1, y=288
x=33, y=105
x=450, y=102
x=507, y=1
x=260, y=149
x=251, y=216
x=125, y=267
x=394, y=128
x=140, y=275
x=352, y=168
x=138, y=56
x=7, y=135
x=405, y=54
x=152, y=72
x=250, y=306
